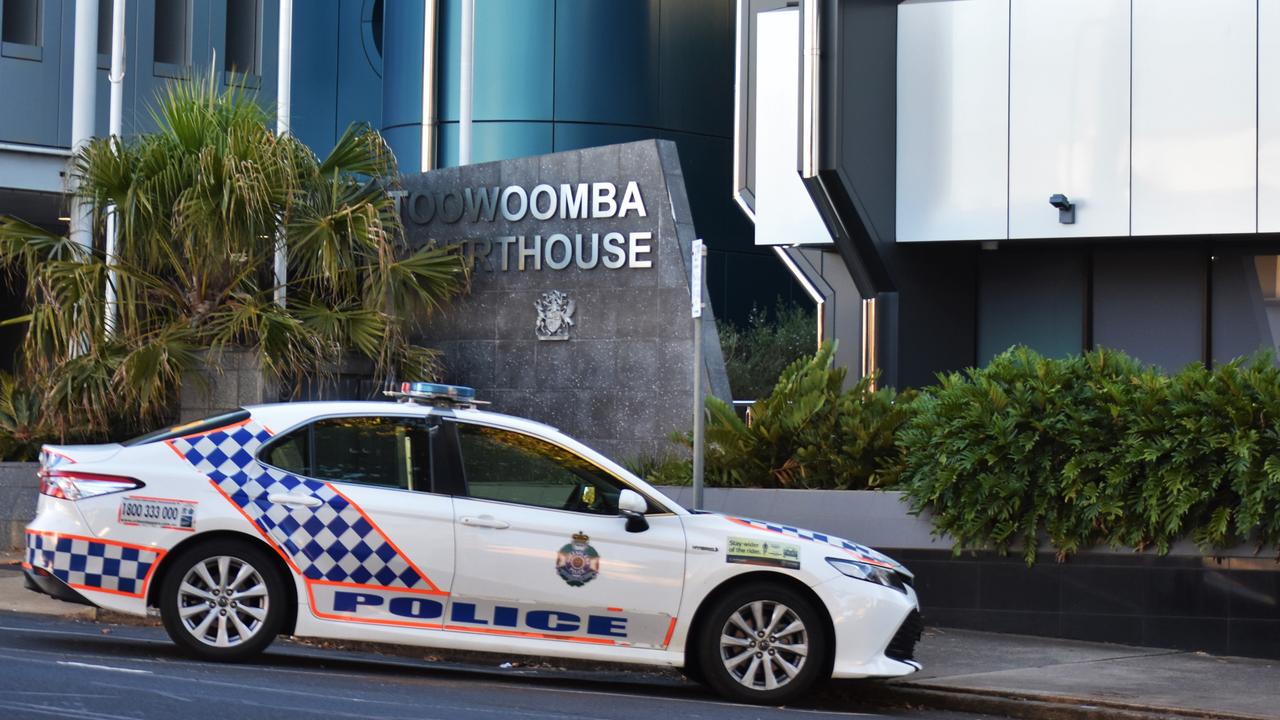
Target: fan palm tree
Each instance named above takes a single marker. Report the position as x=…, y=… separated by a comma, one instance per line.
x=199, y=204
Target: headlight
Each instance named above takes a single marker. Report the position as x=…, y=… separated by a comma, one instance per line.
x=871, y=573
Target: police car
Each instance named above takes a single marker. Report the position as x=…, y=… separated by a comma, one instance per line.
x=431, y=522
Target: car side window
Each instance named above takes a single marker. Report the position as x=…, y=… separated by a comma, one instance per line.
x=369, y=450
x=290, y=453
x=517, y=468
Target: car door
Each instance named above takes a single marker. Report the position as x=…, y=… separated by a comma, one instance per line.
x=543, y=553
x=372, y=541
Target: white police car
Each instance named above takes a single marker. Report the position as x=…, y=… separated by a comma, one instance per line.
x=429, y=522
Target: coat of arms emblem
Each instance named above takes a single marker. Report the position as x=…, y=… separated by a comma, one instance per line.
x=578, y=563
x=555, y=315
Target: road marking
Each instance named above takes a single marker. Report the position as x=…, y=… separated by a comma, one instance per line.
x=61, y=712
x=91, y=666
x=117, y=687
x=468, y=674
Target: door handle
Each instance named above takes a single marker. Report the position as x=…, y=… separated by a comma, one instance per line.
x=310, y=501
x=485, y=521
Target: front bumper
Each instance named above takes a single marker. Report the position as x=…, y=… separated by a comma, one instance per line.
x=876, y=628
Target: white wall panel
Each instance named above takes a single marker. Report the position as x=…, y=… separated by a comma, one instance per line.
x=1269, y=116
x=785, y=212
x=953, y=120
x=1069, y=116
x=1194, y=116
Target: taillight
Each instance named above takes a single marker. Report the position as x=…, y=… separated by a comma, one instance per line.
x=77, y=485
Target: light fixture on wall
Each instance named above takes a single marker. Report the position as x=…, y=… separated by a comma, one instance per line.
x=1066, y=208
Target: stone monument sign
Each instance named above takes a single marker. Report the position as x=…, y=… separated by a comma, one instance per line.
x=579, y=308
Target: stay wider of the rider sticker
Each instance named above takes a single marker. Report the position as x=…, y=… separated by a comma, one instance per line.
x=750, y=551
x=158, y=512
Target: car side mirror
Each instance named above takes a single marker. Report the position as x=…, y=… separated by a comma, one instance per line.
x=632, y=506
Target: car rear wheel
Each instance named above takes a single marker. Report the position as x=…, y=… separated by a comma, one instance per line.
x=763, y=643
x=223, y=600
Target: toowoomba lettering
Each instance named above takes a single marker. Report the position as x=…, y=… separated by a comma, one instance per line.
x=559, y=250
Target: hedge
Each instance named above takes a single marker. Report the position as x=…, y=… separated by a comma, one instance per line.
x=1073, y=452
x=1097, y=450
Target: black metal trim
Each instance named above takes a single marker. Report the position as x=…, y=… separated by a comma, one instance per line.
x=42, y=582
x=903, y=645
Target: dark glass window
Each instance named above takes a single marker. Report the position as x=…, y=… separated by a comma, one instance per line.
x=369, y=450
x=1245, y=305
x=21, y=24
x=104, y=27
x=291, y=453
x=244, y=32
x=516, y=468
x=173, y=32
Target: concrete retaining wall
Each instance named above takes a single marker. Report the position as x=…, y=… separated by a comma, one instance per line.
x=879, y=519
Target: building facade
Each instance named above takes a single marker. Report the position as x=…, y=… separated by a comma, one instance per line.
x=935, y=134
x=1060, y=174
x=549, y=76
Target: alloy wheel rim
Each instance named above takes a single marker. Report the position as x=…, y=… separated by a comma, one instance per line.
x=764, y=645
x=223, y=601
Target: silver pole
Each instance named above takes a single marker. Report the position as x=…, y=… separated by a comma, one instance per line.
x=430, y=11
x=465, y=85
x=699, y=412
x=284, y=93
x=84, y=101
x=115, y=125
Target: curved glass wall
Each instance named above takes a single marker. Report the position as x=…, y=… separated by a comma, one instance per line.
x=555, y=75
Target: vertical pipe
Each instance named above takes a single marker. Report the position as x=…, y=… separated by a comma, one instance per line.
x=430, y=13
x=84, y=101
x=465, y=85
x=284, y=82
x=284, y=92
x=115, y=126
x=699, y=411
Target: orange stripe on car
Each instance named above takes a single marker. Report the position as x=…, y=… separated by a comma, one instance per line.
x=274, y=546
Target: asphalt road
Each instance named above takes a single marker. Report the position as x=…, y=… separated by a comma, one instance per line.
x=57, y=668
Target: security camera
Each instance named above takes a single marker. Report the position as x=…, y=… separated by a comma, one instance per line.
x=1066, y=208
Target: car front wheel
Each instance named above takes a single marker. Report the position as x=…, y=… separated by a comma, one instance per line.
x=223, y=600
x=763, y=643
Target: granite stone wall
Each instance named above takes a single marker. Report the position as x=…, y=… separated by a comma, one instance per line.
x=19, y=489
x=623, y=380
x=227, y=380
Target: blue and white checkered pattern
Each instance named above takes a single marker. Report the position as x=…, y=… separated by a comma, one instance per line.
x=332, y=541
x=91, y=564
x=811, y=536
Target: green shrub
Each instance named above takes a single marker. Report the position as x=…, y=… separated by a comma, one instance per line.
x=668, y=469
x=22, y=423
x=1097, y=449
x=756, y=353
x=808, y=432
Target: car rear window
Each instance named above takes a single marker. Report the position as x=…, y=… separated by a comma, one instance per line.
x=191, y=428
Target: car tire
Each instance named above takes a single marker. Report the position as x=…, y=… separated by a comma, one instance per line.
x=223, y=600
x=763, y=643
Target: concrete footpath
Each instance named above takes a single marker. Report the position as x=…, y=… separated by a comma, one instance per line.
x=977, y=672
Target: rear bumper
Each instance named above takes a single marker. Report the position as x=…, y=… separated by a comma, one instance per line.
x=42, y=581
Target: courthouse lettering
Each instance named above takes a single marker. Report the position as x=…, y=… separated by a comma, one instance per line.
x=551, y=249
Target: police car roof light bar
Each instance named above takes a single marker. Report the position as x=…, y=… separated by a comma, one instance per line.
x=435, y=394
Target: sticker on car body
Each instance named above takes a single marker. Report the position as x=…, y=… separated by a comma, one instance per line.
x=158, y=512
x=750, y=551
